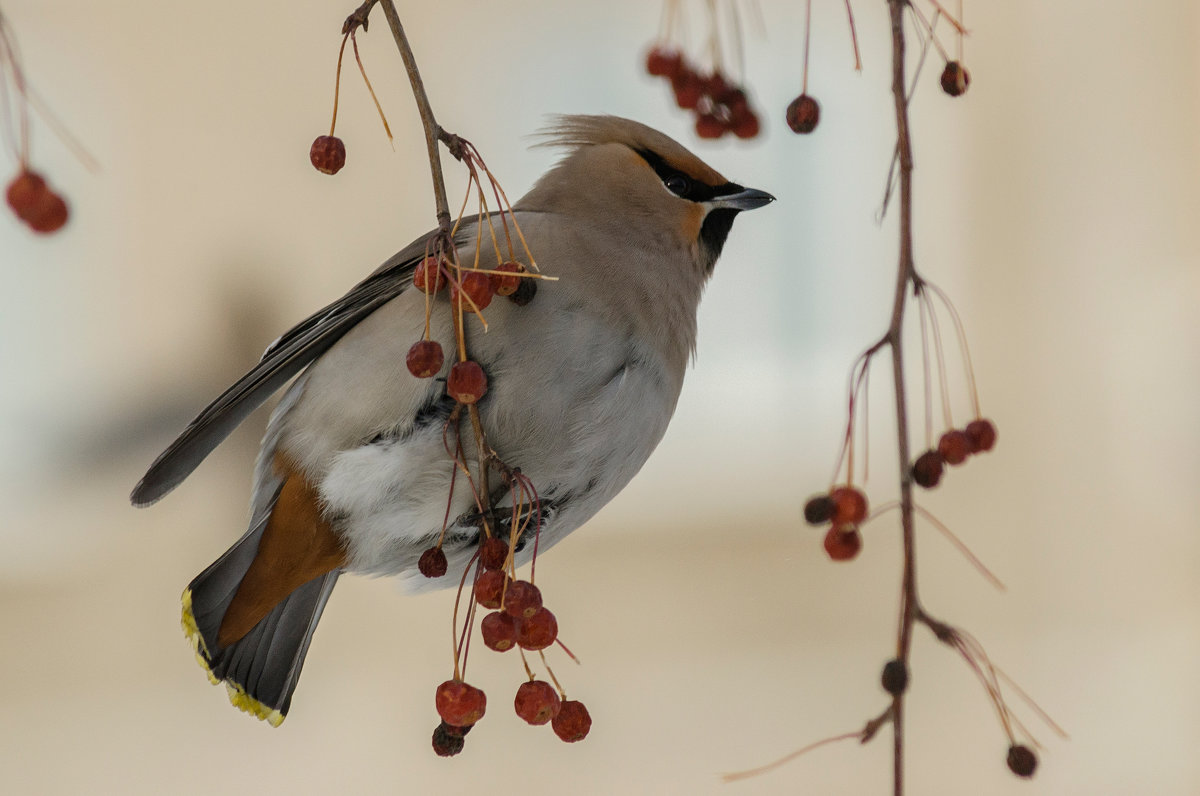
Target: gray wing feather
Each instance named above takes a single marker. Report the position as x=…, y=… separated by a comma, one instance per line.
x=286, y=357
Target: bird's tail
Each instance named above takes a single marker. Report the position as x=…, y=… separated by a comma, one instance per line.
x=261, y=668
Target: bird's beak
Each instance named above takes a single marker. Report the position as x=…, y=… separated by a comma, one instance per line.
x=745, y=199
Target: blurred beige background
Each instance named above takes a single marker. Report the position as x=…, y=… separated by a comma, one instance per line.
x=1057, y=202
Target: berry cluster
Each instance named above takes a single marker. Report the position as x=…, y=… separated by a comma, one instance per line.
x=844, y=508
x=517, y=619
x=954, y=447
x=720, y=106
x=35, y=203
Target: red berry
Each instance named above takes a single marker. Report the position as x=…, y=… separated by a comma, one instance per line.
x=537, y=702
x=819, y=510
x=429, y=276
x=425, y=358
x=981, y=434
x=537, y=631
x=432, y=563
x=849, y=505
x=499, y=631
x=493, y=552
x=747, y=126
x=25, y=192
x=507, y=285
x=662, y=62
x=842, y=544
x=466, y=383
x=328, y=154
x=803, y=114
x=688, y=88
x=477, y=287
x=522, y=599
x=709, y=126
x=715, y=86
x=489, y=588
x=954, y=447
x=955, y=79
x=927, y=469
x=572, y=722
x=34, y=203
x=1021, y=760
x=459, y=704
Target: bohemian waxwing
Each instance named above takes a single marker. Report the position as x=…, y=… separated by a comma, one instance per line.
x=354, y=475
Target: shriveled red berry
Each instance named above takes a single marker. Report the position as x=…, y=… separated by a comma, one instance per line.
x=499, y=631
x=819, y=510
x=50, y=215
x=954, y=447
x=803, y=114
x=842, y=544
x=522, y=599
x=477, y=287
x=662, y=62
x=849, y=505
x=955, y=79
x=493, y=552
x=328, y=154
x=425, y=358
x=688, y=88
x=709, y=126
x=927, y=469
x=429, y=276
x=537, y=631
x=572, y=722
x=460, y=704
x=432, y=563
x=466, y=383
x=1021, y=760
x=507, y=285
x=747, y=126
x=894, y=677
x=537, y=702
x=489, y=588
x=981, y=434
x=448, y=741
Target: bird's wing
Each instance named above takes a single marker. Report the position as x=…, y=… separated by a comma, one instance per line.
x=282, y=360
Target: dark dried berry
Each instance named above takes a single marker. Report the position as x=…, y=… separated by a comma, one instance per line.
x=432, y=563
x=955, y=79
x=819, y=510
x=895, y=677
x=447, y=740
x=927, y=469
x=803, y=114
x=981, y=434
x=524, y=292
x=1022, y=761
x=328, y=154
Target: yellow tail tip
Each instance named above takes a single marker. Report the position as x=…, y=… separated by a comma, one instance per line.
x=237, y=695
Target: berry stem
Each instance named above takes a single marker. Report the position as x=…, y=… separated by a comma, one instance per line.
x=854, y=37
x=337, y=83
x=362, y=70
x=807, y=38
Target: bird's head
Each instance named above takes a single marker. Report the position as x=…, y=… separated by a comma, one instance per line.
x=637, y=182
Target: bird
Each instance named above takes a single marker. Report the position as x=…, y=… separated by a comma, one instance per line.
x=353, y=475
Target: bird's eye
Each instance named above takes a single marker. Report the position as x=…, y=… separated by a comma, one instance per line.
x=678, y=184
